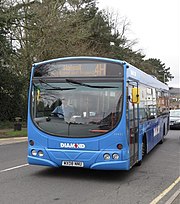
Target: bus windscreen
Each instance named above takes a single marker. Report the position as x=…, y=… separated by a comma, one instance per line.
x=66, y=103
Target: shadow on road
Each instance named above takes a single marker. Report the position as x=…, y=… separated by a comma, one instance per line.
x=86, y=174
x=100, y=175
x=114, y=176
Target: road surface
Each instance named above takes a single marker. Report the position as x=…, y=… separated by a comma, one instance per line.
x=155, y=181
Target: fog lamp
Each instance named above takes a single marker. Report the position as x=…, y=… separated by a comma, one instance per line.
x=119, y=146
x=31, y=142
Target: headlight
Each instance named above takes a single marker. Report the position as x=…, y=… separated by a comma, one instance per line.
x=40, y=153
x=107, y=156
x=177, y=121
x=33, y=152
x=115, y=156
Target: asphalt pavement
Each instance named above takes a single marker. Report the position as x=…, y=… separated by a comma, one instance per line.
x=23, y=183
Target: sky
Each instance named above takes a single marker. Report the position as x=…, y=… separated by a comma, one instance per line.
x=156, y=26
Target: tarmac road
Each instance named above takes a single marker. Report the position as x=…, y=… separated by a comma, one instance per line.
x=152, y=182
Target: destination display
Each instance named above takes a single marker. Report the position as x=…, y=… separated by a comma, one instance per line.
x=78, y=69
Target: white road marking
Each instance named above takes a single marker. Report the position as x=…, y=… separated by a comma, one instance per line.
x=159, y=197
x=12, y=168
x=173, y=197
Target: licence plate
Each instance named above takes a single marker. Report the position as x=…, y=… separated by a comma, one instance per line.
x=72, y=163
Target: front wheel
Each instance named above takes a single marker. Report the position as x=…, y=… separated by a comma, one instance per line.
x=143, y=152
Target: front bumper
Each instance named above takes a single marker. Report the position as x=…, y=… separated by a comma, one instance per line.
x=90, y=159
x=175, y=126
x=39, y=161
x=107, y=165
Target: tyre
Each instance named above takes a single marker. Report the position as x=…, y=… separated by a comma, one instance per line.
x=143, y=151
x=162, y=139
x=144, y=147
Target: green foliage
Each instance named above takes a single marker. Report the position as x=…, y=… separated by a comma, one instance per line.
x=157, y=68
x=11, y=98
x=11, y=133
x=40, y=30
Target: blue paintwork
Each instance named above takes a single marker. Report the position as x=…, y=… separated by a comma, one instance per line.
x=81, y=58
x=137, y=74
x=92, y=155
x=146, y=128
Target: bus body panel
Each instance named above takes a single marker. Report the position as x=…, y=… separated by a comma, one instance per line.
x=58, y=149
x=91, y=150
x=153, y=130
x=142, y=77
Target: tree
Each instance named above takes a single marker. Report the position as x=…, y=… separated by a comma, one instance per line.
x=70, y=28
x=37, y=30
x=157, y=68
x=10, y=85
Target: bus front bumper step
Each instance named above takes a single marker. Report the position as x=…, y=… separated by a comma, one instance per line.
x=38, y=161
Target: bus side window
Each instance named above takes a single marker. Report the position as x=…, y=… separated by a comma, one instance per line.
x=142, y=105
x=162, y=102
x=159, y=110
x=151, y=103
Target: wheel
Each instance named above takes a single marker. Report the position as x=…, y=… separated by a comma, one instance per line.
x=162, y=139
x=139, y=163
x=143, y=147
x=143, y=151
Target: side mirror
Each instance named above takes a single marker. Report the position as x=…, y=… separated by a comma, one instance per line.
x=135, y=95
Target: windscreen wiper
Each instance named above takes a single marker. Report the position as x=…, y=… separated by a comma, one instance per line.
x=53, y=87
x=87, y=85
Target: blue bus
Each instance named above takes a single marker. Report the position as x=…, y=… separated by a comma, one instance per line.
x=95, y=113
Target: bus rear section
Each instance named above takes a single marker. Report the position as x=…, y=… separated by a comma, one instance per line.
x=77, y=114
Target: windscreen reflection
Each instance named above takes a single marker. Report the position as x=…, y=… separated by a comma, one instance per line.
x=71, y=110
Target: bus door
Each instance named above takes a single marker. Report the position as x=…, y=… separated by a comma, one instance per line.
x=133, y=126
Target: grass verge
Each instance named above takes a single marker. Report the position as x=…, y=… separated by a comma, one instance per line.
x=12, y=133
